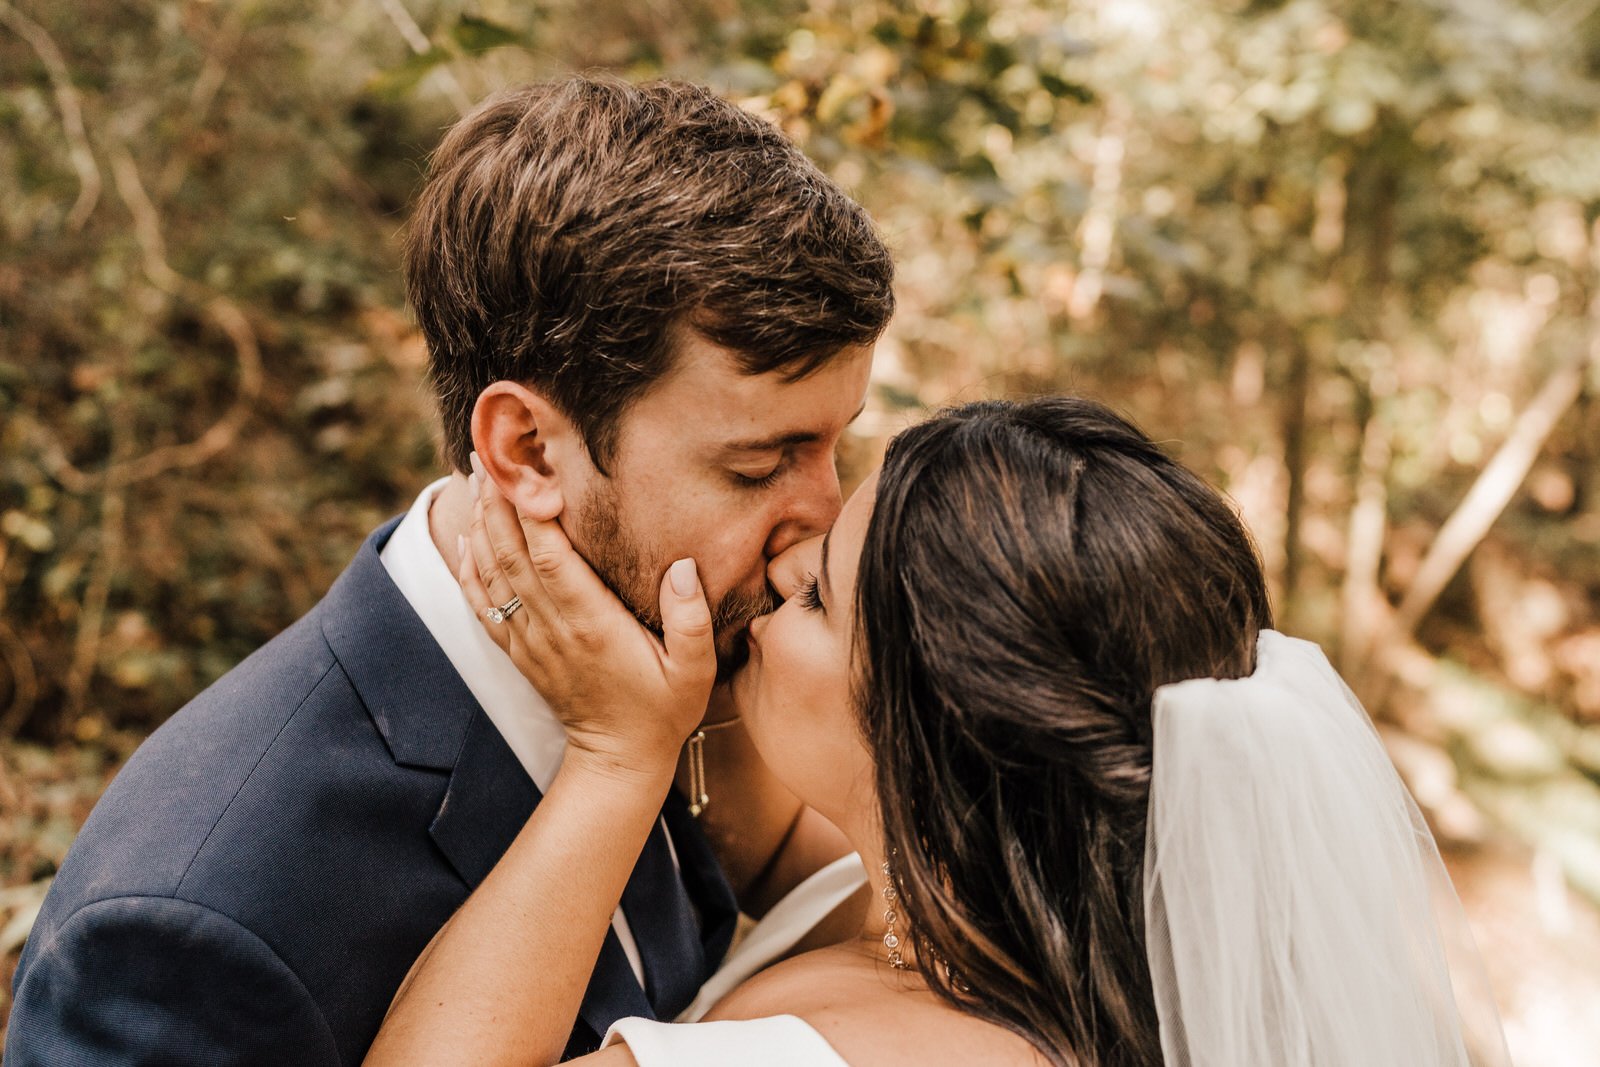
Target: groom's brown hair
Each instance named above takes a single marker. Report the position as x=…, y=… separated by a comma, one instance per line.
x=569, y=230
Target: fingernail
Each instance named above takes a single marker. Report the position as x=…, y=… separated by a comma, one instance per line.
x=461, y=547
x=683, y=577
x=477, y=464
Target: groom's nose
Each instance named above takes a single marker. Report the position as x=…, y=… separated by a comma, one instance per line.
x=812, y=505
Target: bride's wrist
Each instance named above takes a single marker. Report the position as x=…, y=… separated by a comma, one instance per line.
x=640, y=767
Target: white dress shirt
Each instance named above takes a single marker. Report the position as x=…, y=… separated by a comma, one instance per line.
x=513, y=705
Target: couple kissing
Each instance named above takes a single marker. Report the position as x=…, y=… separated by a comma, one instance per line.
x=1000, y=760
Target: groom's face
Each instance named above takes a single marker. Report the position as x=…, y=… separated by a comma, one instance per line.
x=727, y=467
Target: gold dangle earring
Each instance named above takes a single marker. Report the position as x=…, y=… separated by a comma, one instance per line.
x=695, y=753
x=891, y=915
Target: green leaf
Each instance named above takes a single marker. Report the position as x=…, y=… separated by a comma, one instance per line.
x=888, y=32
x=1059, y=87
x=899, y=399
x=397, y=82
x=474, y=34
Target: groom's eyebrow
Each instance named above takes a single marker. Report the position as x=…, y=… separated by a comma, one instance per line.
x=774, y=443
x=782, y=440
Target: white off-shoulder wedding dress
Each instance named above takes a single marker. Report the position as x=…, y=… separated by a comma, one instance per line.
x=778, y=1041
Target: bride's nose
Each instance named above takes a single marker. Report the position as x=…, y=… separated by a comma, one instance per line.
x=789, y=568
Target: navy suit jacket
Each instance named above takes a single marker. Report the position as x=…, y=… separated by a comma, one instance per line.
x=254, y=885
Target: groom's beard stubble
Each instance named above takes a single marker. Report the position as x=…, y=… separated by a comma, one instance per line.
x=630, y=566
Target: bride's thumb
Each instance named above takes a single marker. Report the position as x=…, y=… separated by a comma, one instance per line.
x=686, y=621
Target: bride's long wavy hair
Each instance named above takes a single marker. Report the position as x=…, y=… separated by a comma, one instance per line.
x=1032, y=572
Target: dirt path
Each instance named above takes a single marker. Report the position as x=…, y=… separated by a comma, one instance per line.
x=1541, y=947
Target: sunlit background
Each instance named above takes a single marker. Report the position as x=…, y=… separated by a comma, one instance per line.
x=1343, y=258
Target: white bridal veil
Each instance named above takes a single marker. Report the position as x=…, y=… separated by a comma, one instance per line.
x=1297, y=912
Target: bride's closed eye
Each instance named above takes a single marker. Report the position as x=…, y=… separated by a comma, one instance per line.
x=808, y=595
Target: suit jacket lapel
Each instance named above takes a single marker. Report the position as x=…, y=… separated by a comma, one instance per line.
x=489, y=798
x=613, y=991
x=417, y=701
x=428, y=718
x=703, y=878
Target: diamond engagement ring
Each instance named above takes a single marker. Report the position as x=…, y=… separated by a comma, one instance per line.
x=504, y=611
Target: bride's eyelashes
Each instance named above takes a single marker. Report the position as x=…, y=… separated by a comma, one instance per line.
x=809, y=595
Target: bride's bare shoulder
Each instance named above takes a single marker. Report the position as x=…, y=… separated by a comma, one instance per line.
x=872, y=1015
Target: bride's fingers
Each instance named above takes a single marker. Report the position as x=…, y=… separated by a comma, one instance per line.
x=477, y=594
x=509, y=557
x=576, y=593
x=487, y=562
x=503, y=532
x=533, y=559
x=686, y=625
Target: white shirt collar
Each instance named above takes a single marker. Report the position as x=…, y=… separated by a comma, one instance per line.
x=429, y=585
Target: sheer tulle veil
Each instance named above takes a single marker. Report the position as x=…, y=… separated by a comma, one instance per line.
x=1297, y=911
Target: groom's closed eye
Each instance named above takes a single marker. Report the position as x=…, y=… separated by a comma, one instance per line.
x=759, y=467
x=759, y=481
x=758, y=463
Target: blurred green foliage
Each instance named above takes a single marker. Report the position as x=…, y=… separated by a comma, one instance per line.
x=1332, y=251
x=1338, y=253
x=1272, y=231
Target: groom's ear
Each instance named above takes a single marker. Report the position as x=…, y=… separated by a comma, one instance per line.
x=525, y=445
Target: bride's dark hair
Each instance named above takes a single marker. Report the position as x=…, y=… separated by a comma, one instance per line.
x=1032, y=572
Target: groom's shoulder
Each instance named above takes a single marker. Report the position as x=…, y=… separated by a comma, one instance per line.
x=167, y=801
x=264, y=754
x=206, y=749
x=253, y=845
x=260, y=690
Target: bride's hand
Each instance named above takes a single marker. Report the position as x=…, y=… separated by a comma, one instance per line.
x=625, y=696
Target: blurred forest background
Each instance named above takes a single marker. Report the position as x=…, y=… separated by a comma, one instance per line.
x=1344, y=257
